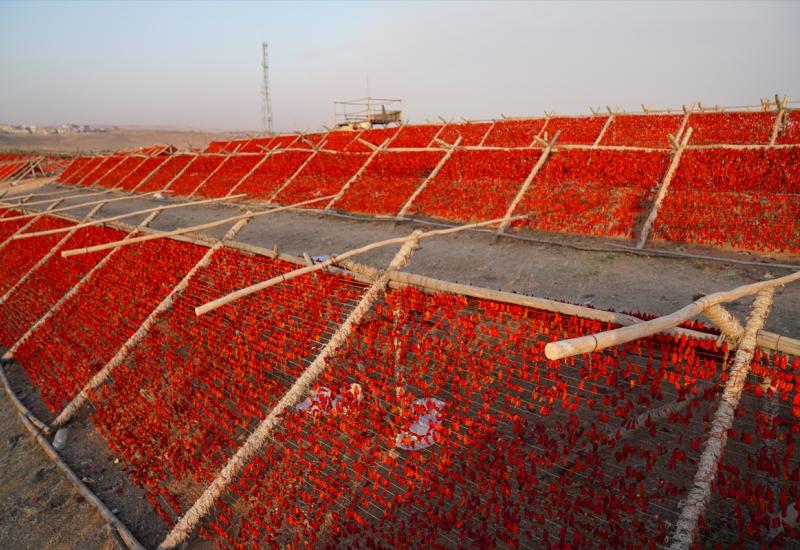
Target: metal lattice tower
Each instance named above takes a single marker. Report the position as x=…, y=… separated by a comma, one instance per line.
x=266, y=99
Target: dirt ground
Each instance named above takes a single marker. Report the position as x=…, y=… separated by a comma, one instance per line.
x=608, y=279
x=114, y=140
x=605, y=279
x=39, y=507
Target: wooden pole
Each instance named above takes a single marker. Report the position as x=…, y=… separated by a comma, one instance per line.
x=120, y=182
x=180, y=172
x=292, y=397
x=11, y=350
x=602, y=340
x=527, y=183
x=31, y=424
x=70, y=231
x=192, y=229
x=211, y=174
x=46, y=201
x=700, y=491
x=74, y=207
x=357, y=175
x=28, y=224
x=609, y=122
x=488, y=131
x=241, y=293
x=152, y=173
x=250, y=172
x=102, y=375
x=779, y=117
x=291, y=178
x=433, y=174
x=662, y=190
x=123, y=216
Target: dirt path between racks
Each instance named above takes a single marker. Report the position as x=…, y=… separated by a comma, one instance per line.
x=39, y=507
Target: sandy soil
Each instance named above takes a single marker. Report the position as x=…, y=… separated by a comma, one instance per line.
x=39, y=507
x=114, y=140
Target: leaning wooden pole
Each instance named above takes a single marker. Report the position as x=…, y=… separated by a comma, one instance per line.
x=28, y=224
x=102, y=375
x=700, y=492
x=431, y=176
x=73, y=207
x=602, y=340
x=184, y=527
x=9, y=354
x=122, y=216
x=241, y=293
x=523, y=189
x=184, y=230
x=357, y=175
x=47, y=201
x=663, y=189
x=47, y=256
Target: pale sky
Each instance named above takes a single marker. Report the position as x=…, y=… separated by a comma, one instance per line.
x=197, y=64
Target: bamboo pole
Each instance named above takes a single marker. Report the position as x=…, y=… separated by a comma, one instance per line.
x=700, y=492
x=488, y=131
x=192, y=229
x=292, y=397
x=663, y=189
x=776, y=127
x=431, y=176
x=70, y=231
x=102, y=375
x=180, y=172
x=116, y=527
x=602, y=340
x=523, y=189
x=211, y=174
x=241, y=293
x=291, y=178
x=46, y=201
x=104, y=173
x=250, y=172
x=27, y=225
x=123, y=216
x=11, y=350
x=357, y=175
x=609, y=122
x=152, y=173
x=135, y=168
x=75, y=207
x=23, y=198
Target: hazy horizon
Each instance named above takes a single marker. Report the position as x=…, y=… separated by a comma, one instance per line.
x=197, y=65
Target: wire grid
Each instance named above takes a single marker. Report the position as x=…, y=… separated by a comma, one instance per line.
x=194, y=387
x=82, y=335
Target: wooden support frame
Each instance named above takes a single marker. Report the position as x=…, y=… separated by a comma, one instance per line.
x=25, y=226
x=421, y=187
x=203, y=505
x=70, y=231
x=184, y=230
x=593, y=342
x=663, y=189
x=375, y=152
x=241, y=293
x=214, y=171
x=291, y=178
x=612, y=115
x=523, y=189
x=123, y=216
x=102, y=375
x=9, y=354
x=76, y=206
x=700, y=491
x=46, y=201
x=249, y=173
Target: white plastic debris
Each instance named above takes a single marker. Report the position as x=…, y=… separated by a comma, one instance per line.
x=422, y=433
x=319, y=401
x=60, y=439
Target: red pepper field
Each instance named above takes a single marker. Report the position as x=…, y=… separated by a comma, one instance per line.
x=438, y=422
x=601, y=179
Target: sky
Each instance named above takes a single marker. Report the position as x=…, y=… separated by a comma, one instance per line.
x=197, y=64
